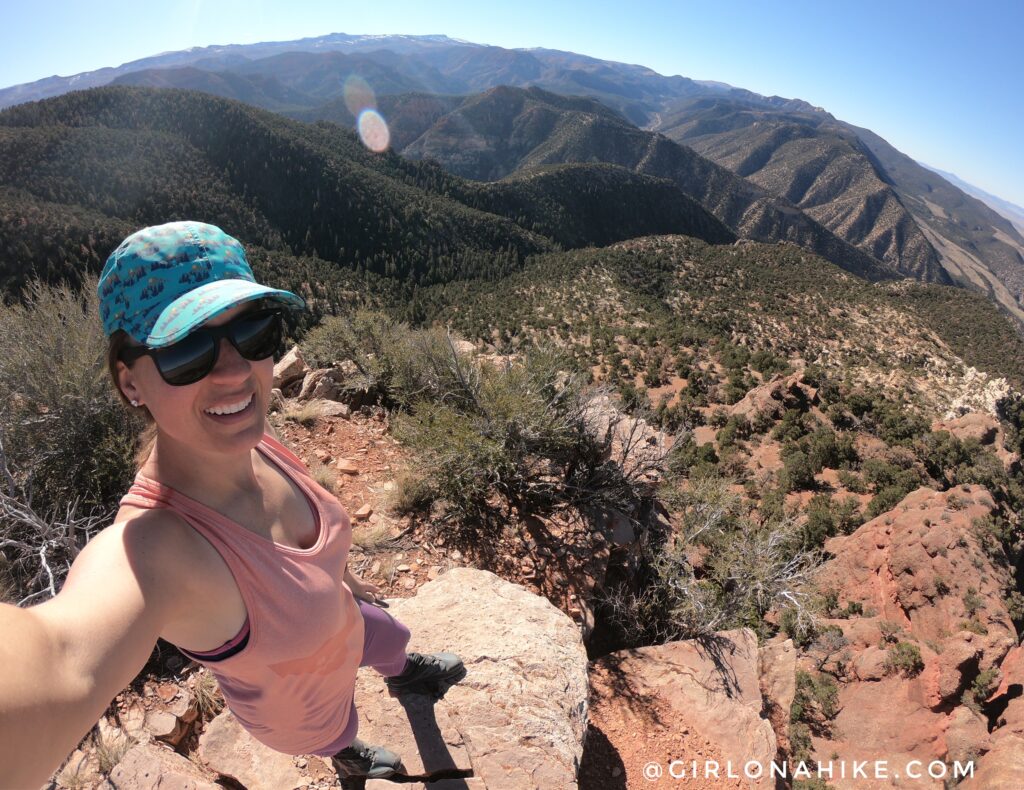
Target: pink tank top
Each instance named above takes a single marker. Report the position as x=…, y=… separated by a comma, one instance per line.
x=292, y=684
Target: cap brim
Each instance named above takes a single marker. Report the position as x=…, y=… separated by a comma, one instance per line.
x=208, y=301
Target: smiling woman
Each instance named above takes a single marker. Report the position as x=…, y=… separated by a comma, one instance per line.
x=224, y=545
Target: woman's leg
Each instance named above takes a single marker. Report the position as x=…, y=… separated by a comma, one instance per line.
x=384, y=640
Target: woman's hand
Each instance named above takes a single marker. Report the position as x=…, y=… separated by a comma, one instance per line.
x=366, y=591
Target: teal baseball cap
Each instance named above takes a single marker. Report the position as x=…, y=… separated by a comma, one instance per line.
x=165, y=280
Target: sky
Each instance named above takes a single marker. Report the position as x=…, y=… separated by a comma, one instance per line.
x=941, y=80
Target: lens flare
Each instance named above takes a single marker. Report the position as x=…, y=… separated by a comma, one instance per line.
x=358, y=94
x=373, y=130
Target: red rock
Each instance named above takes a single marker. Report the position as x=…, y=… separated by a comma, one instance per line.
x=347, y=467
x=913, y=566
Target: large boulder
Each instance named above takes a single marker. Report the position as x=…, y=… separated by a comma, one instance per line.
x=1001, y=769
x=771, y=399
x=1003, y=766
x=915, y=565
x=982, y=427
x=290, y=369
x=518, y=718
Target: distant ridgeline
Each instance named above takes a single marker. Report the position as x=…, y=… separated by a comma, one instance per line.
x=80, y=171
x=326, y=217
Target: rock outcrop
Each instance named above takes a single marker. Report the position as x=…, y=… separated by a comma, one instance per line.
x=634, y=443
x=771, y=399
x=933, y=619
x=983, y=428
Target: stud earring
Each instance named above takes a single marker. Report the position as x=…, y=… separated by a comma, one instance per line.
x=135, y=402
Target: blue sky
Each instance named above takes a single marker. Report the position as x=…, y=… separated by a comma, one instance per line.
x=943, y=80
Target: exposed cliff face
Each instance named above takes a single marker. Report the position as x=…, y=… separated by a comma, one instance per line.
x=934, y=628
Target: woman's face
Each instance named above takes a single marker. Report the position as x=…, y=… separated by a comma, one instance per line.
x=181, y=413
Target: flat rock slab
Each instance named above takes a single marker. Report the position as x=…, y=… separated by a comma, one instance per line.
x=423, y=732
x=1001, y=769
x=467, y=783
x=226, y=748
x=517, y=720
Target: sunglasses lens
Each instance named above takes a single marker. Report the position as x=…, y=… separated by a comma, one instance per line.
x=257, y=337
x=186, y=361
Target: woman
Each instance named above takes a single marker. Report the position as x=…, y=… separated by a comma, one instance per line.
x=224, y=545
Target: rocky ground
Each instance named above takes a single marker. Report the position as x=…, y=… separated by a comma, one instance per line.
x=923, y=653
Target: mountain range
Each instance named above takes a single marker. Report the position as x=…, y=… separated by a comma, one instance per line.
x=769, y=168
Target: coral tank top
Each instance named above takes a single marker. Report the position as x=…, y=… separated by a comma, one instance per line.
x=292, y=684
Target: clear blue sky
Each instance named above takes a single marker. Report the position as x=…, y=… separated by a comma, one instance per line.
x=942, y=80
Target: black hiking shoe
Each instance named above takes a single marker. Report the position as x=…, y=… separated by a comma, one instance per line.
x=360, y=760
x=430, y=674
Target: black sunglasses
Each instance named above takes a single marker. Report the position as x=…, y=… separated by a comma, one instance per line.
x=255, y=335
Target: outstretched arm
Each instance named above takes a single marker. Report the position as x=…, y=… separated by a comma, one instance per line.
x=66, y=659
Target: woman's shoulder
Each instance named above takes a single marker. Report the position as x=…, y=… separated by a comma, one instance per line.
x=161, y=533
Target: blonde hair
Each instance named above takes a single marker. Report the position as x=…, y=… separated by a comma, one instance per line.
x=147, y=438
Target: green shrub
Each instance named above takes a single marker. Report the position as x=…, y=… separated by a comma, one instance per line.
x=687, y=459
x=396, y=365
x=69, y=443
x=884, y=501
x=852, y=482
x=826, y=450
x=633, y=398
x=800, y=744
x=974, y=626
x=794, y=425
x=749, y=568
x=797, y=473
x=652, y=373
x=898, y=426
x=525, y=434
x=736, y=429
x=734, y=358
x=981, y=687
x=905, y=658
x=847, y=515
x=820, y=523
x=767, y=364
x=889, y=632
x=816, y=701
x=972, y=602
x=719, y=417
x=772, y=506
